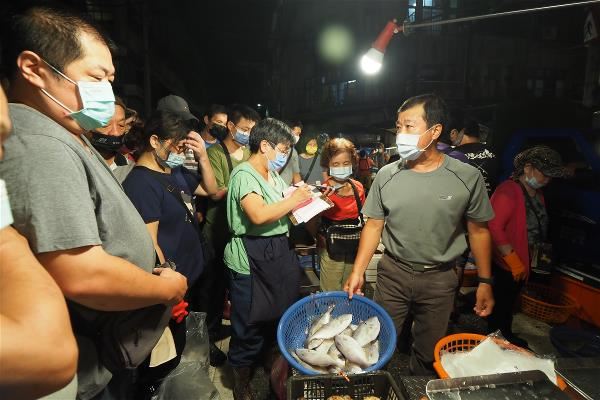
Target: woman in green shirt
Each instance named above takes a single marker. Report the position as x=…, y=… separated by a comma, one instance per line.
x=264, y=269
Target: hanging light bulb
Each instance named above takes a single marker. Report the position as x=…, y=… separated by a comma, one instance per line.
x=371, y=62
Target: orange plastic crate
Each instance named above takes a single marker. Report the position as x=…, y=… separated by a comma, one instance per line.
x=466, y=342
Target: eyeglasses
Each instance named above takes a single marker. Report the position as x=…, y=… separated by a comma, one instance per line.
x=274, y=146
x=178, y=147
x=245, y=130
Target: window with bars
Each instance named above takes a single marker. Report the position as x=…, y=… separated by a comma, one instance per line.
x=431, y=10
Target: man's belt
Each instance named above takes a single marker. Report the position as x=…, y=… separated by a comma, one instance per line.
x=421, y=267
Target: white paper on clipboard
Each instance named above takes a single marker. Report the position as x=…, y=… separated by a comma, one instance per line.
x=317, y=205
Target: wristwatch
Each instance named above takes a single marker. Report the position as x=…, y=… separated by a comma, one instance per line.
x=489, y=281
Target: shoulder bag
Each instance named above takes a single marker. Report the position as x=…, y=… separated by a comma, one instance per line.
x=343, y=237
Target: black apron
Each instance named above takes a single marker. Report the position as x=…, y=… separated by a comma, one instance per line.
x=275, y=275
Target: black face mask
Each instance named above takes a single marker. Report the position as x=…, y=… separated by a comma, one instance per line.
x=219, y=132
x=106, y=143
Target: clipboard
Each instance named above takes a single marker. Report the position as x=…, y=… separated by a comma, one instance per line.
x=316, y=206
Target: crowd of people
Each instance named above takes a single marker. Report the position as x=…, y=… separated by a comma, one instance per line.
x=112, y=228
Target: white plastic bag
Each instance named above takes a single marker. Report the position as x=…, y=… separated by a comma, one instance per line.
x=495, y=355
x=190, y=380
x=196, y=340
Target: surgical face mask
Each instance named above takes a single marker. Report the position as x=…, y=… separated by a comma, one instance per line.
x=408, y=149
x=241, y=137
x=219, y=132
x=106, y=143
x=6, y=217
x=296, y=138
x=533, y=183
x=278, y=162
x=341, y=173
x=174, y=160
x=311, y=149
x=98, y=102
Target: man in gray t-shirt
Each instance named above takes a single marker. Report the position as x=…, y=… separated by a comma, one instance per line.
x=64, y=199
x=420, y=207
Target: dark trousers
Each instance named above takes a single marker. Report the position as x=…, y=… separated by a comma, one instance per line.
x=149, y=378
x=208, y=293
x=140, y=384
x=247, y=340
x=505, y=291
x=428, y=296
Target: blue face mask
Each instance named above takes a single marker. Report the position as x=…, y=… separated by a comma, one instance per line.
x=98, y=102
x=278, y=162
x=174, y=160
x=241, y=137
x=407, y=145
x=533, y=183
x=341, y=173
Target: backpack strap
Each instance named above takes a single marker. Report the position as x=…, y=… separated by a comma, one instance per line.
x=358, y=202
x=312, y=165
x=227, y=156
x=176, y=193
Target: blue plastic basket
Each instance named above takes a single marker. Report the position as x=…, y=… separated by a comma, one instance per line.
x=295, y=323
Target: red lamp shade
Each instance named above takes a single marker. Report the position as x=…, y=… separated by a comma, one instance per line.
x=385, y=36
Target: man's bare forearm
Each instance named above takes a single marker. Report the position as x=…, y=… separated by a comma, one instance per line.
x=94, y=278
x=31, y=365
x=480, y=241
x=369, y=240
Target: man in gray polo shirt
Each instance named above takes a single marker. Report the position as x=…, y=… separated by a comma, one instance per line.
x=64, y=199
x=420, y=206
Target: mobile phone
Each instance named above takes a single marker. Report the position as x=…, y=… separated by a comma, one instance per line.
x=324, y=188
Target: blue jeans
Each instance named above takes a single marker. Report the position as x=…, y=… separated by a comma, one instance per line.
x=247, y=341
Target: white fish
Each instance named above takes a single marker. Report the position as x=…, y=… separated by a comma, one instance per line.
x=321, y=321
x=348, y=331
x=313, y=343
x=334, y=370
x=335, y=353
x=351, y=350
x=318, y=359
x=372, y=352
x=307, y=366
x=334, y=327
x=367, y=331
x=352, y=368
x=325, y=345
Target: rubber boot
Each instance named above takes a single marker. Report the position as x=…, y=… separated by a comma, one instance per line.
x=216, y=356
x=241, y=384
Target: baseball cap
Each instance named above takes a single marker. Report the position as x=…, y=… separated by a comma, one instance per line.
x=545, y=159
x=176, y=105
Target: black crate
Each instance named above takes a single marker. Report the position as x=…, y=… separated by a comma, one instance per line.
x=321, y=387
